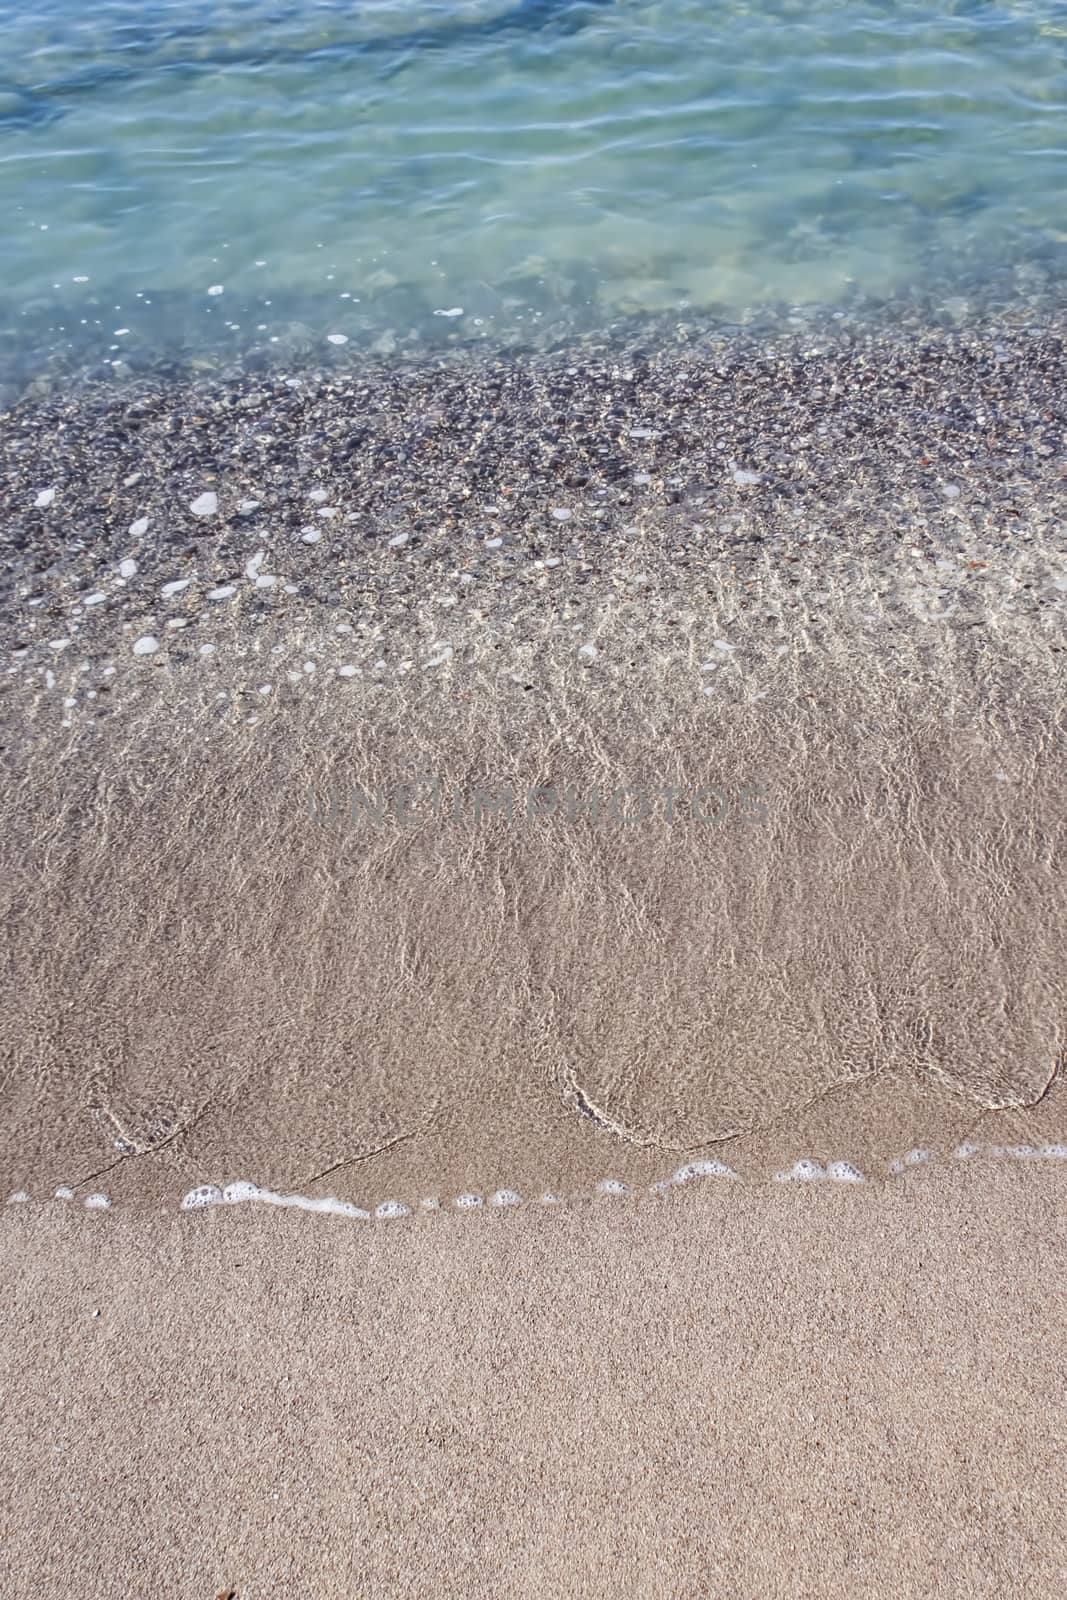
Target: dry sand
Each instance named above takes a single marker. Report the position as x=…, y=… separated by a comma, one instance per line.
x=795, y=1392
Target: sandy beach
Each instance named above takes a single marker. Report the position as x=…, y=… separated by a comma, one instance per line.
x=794, y=1392
x=630, y=775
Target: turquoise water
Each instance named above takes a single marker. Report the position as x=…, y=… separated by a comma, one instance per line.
x=362, y=170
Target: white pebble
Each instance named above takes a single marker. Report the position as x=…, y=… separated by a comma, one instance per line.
x=146, y=645
x=320, y=496
x=561, y=514
x=139, y=528
x=347, y=672
x=223, y=592
x=743, y=475
x=205, y=505
x=97, y=598
x=128, y=568
x=175, y=587
x=311, y=535
x=44, y=498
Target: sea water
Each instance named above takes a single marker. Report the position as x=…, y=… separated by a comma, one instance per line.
x=226, y=177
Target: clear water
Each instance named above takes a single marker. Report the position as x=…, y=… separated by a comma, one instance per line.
x=354, y=169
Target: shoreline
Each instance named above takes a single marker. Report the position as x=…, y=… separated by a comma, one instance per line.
x=838, y=578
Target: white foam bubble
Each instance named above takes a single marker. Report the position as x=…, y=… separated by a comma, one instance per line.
x=97, y=1202
x=804, y=1171
x=468, y=1202
x=611, y=1186
x=845, y=1172
x=208, y=1194
x=64, y=1192
x=391, y=1208
x=914, y=1158
x=236, y=1193
x=702, y=1169
x=19, y=1198
x=505, y=1197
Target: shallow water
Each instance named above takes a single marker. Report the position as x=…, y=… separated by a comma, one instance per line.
x=490, y=168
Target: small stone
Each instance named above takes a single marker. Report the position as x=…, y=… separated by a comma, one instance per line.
x=147, y=645
x=128, y=568
x=205, y=505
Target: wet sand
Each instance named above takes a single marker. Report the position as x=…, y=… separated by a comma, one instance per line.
x=520, y=772
x=793, y=1391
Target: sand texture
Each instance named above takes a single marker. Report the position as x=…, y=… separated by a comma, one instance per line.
x=762, y=1393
